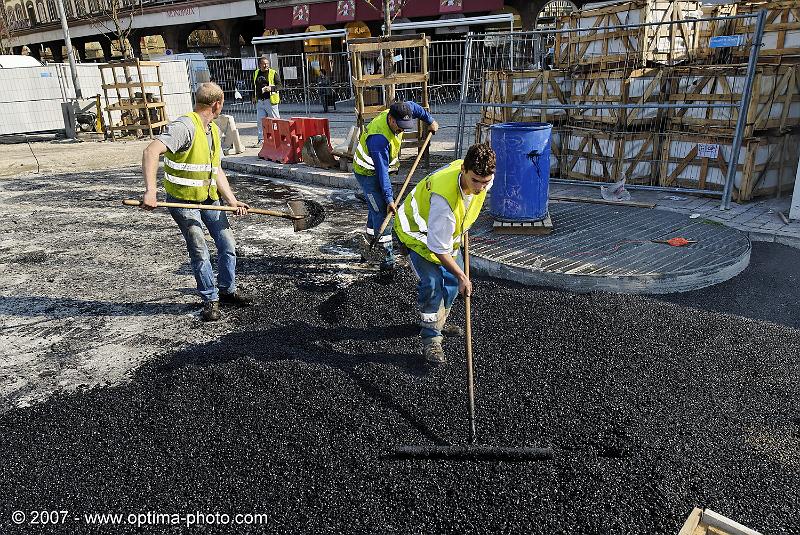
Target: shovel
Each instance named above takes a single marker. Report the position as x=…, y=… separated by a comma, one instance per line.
x=379, y=233
x=304, y=214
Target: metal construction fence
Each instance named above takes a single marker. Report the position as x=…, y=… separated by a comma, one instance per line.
x=667, y=106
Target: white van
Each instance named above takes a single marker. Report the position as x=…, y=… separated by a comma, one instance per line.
x=196, y=65
x=10, y=61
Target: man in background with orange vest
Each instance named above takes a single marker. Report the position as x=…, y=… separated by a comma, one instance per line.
x=267, y=83
x=193, y=174
x=431, y=222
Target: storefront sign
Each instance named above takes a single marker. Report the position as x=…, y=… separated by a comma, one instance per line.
x=451, y=6
x=346, y=10
x=300, y=15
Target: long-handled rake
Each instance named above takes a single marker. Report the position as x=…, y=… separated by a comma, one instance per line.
x=304, y=214
x=472, y=451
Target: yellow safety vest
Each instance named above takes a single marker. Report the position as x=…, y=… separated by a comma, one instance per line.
x=192, y=175
x=274, y=97
x=362, y=161
x=411, y=223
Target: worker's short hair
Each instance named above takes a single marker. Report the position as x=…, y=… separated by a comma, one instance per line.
x=480, y=159
x=207, y=94
x=263, y=57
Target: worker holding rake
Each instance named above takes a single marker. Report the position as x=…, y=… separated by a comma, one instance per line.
x=193, y=173
x=376, y=155
x=431, y=222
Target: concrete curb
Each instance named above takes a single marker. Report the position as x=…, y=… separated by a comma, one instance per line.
x=296, y=172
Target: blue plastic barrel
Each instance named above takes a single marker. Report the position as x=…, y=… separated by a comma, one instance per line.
x=522, y=178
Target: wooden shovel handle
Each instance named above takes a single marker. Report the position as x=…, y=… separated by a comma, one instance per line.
x=219, y=208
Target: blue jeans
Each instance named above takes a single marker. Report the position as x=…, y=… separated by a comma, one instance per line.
x=436, y=290
x=189, y=221
x=265, y=109
x=376, y=205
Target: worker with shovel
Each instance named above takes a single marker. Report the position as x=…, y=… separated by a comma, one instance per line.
x=376, y=155
x=193, y=173
x=431, y=222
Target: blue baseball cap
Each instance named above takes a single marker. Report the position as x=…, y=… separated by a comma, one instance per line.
x=401, y=112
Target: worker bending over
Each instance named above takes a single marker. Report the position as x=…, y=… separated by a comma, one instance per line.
x=375, y=157
x=193, y=174
x=431, y=222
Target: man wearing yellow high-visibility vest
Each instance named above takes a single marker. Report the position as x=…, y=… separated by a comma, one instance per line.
x=431, y=222
x=266, y=83
x=193, y=174
x=376, y=155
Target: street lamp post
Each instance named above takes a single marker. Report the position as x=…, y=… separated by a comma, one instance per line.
x=72, y=67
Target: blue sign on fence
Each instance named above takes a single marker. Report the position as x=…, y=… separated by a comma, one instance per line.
x=726, y=41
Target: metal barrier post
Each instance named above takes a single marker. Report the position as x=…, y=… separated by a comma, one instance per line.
x=464, y=96
x=741, y=122
x=305, y=65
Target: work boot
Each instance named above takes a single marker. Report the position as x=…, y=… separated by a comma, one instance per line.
x=452, y=330
x=235, y=299
x=432, y=351
x=449, y=329
x=210, y=311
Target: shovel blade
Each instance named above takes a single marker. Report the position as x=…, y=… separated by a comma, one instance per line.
x=311, y=214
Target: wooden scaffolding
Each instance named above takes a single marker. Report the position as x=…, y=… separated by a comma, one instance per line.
x=139, y=111
x=405, y=64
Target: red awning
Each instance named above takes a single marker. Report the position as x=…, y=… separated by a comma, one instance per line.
x=326, y=13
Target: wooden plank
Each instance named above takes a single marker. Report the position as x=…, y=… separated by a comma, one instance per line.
x=375, y=80
x=132, y=85
x=137, y=126
x=589, y=200
x=150, y=105
x=375, y=47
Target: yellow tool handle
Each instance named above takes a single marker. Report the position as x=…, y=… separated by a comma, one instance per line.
x=276, y=213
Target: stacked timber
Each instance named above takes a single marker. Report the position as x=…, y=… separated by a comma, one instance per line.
x=596, y=36
x=781, y=42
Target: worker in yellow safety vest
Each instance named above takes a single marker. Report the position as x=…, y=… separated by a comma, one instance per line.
x=431, y=223
x=266, y=83
x=378, y=154
x=193, y=174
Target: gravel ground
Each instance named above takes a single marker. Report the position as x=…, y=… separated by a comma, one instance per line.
x=290, y=408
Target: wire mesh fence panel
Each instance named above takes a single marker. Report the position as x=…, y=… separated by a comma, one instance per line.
x=235, y=77
x=328, y=75
x=657, y=104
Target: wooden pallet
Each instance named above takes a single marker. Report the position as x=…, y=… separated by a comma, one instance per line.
x=703, y=53
x=601, y=156
x=530, y=87
x=774, y=104
x=535, y=228
x=781, y=43
x=766, y=164
x=707, y=522
x=133, y=105
x=417, y=46
x=633, y=48
x=618, y=87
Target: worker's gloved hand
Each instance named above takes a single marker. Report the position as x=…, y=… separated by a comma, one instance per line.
x=433, y=127
x=391, y=208
x=149, y=200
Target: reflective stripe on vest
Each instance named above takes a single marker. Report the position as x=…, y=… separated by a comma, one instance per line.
x=362, y=161
x=274, y=97
x=191, y=175
x=411, y=221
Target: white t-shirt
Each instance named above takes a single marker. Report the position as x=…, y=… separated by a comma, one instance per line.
x=442, y=223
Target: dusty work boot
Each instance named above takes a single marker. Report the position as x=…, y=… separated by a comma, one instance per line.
x=210, y=311
x=432, y=351
x=235, y=299
x=450, y=329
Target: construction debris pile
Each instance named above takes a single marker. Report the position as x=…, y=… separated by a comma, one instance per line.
x=294, y=415
x=600, y=58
